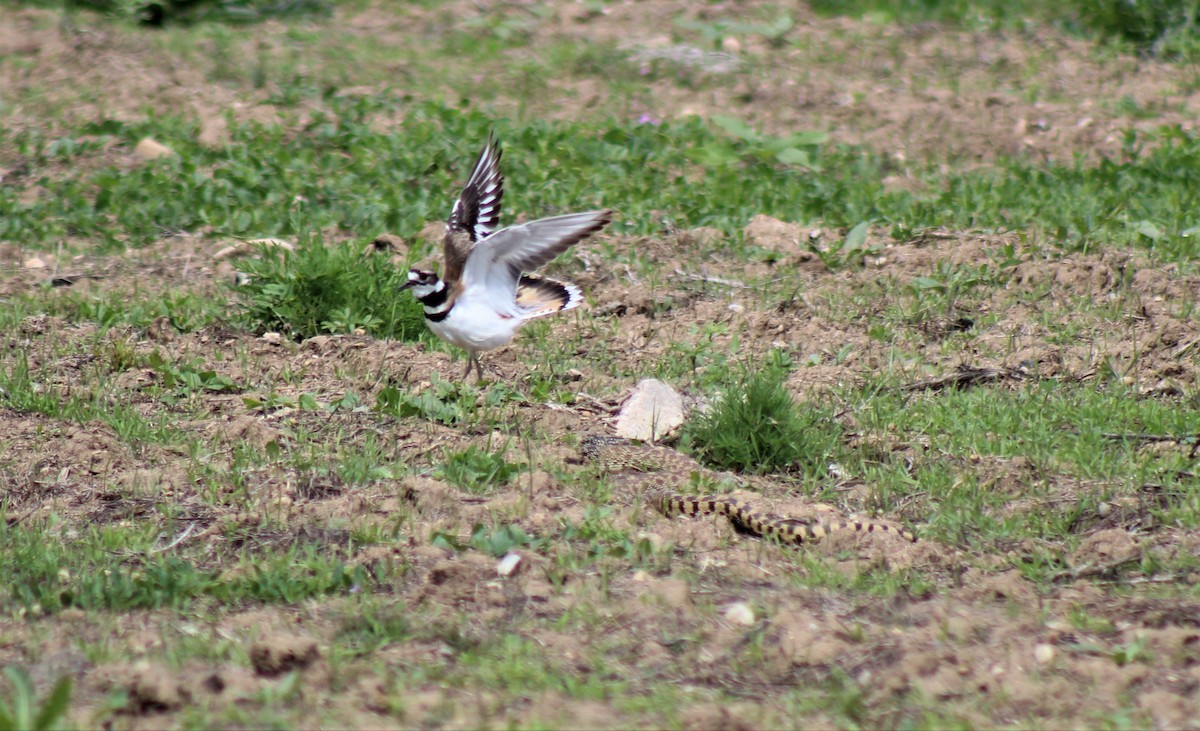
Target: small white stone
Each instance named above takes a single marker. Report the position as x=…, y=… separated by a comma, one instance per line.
x=272, y=337
x=1104, y=509
x=739, y=613
x=735, y=307
x=509, y=565
x=1043, y=653
x=35, y=263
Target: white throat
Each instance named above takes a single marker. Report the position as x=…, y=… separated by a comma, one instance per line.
x=424, y=290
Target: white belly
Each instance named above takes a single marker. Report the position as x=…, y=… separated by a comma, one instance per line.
x=475, y=326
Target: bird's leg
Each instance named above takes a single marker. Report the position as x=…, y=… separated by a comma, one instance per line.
x=478, y=367
x=470, y=360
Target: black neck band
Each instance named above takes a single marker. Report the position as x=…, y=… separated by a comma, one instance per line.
x=436, y=299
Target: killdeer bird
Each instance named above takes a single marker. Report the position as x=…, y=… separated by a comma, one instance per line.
x=487, y=290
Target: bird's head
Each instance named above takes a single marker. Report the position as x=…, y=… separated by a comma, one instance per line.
x=422, y=282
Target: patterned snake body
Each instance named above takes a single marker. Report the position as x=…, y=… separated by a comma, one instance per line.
x=667, y=468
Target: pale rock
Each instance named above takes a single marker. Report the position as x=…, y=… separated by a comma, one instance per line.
x=35, y=263
x=653, y=411
x=508, y=565
x=739, y=613
x=151, y=149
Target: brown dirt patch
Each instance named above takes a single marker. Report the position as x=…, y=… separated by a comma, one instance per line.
x=986, y=645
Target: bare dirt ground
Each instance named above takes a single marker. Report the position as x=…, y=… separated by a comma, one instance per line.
x=983, y=644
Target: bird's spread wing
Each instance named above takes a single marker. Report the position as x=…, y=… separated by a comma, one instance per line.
x=496, y=263
x=537, y=296
x=477, y=210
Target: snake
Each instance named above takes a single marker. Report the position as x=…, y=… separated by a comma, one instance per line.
x=665, y=468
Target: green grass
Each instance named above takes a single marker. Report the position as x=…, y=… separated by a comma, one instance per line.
x=21, y=391
x=21, y=711
x=335, y=441
x=188, y=12
x=1079, y=446
x=342, y=176
x=327, y=289
x=478, y=470
x=1167, y=27
x=755, y=426
x=449, y=402
x=88, y=572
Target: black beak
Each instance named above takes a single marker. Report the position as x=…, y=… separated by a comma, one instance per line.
x=406, y=285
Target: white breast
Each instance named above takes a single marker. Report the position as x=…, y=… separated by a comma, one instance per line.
x=475, y=325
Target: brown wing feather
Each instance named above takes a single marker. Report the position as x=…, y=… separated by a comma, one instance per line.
x=456, y=246
x=476, y=212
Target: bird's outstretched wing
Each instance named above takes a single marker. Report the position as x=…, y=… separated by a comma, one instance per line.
x=476, y=212
x=497, y=262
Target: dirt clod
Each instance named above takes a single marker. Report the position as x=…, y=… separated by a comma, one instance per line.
x=151, y=689
x=277, y=654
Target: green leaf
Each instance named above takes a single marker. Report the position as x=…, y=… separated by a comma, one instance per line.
x=735, y=127
x=19, y=715
x=55, y=706
x=928, y=283
x=1149, y=230
x=713, y=155
x=857, y=237
x=793, y=156
x=811, y=138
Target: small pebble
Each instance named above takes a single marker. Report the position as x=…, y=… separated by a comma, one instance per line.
x=739, y=613
x=509, y=565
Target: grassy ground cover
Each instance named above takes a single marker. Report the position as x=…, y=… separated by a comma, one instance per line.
x=927, y=263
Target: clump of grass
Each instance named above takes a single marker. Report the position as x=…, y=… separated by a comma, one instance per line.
x=1166, y=27
x=187, y=12
x=1153, y=25
x=327, y=289
x=21, y=710
x=755, y=426
x=478, y=470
